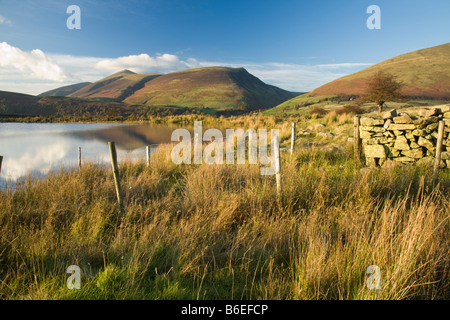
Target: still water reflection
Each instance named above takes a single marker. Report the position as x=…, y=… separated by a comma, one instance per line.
x=36, y=148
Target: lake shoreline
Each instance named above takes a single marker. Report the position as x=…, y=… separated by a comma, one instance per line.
x=39, y=147
x=52, y=120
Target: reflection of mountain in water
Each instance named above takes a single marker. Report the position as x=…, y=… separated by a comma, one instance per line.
x=129, y=137
x=37, y=148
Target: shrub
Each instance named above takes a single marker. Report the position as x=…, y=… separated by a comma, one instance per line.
x=350, y=108
x=318, y=111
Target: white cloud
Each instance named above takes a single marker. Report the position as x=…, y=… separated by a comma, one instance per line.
x=33, y=64
x=35, y=72
x=5, y=21
x=143, y=63
x=41, y=159
x=94, y=68
x=303, y=77
x=81, y=67
x=342, y=65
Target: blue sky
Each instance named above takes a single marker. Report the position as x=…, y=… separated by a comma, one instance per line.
x=297, y=45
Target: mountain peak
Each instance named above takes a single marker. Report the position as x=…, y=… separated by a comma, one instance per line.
x=124, y=72
x=209, y=69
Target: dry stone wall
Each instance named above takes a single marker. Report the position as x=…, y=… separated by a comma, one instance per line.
x=405, y=137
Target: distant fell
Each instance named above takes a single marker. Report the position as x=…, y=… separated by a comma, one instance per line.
x=425, y=73
x=16, y=103
x=118, y=86
x=217, y=88
x=64, y=91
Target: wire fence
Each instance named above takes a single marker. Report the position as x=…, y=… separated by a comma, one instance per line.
x=13, y=170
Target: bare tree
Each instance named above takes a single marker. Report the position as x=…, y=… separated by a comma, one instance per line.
x=383, y=87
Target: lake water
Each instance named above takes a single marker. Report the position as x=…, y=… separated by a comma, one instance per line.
x=38, y=147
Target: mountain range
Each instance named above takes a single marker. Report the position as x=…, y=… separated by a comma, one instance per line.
x=216, y=88
x=425, y=74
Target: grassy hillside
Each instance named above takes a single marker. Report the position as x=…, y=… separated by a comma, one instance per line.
x=425, y=73
x=16, y=103
x=215, y=87
x=306, y=105
x=21, y=107
x=117, y=86
x=64, y=91
x=302, y=104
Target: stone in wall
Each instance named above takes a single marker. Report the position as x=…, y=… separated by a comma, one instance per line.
x=414, y=153
x=375, y=151
x=371, y=122
x=401, y=126
x=390, y=114
x=403, y=119
x=401, y=143
x=426, y=143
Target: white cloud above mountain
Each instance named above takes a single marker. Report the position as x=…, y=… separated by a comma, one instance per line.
x=143, y=63
x=35, y=72
x=33, y=64
x=297, y=77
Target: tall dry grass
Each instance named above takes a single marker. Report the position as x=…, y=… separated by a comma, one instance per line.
x=219, y=232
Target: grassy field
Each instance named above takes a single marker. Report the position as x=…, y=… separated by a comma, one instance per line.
x=220, y=232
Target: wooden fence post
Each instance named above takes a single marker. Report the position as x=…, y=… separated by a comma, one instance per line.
x=277, y=164
x=115, y=167
x=1, y=160
x=293, y=138
x=147, y=151
x=357, y=142
x=437, y=162
x=79, y=158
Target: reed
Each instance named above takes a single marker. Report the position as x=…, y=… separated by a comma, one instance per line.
x=218, y=231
